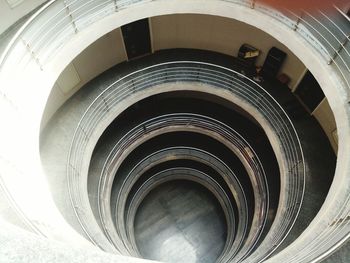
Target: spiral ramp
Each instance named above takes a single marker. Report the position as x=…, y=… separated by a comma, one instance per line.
x=176, y=154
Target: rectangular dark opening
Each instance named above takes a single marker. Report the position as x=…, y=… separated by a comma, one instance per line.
x=309, y=91
x=137, y=38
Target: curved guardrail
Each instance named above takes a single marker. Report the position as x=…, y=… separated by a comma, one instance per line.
x=201, y=124
x=235, y=190
x=327, y=32
x=181, y=173
x=58, y=20
x=220, y=78
x=240, y=232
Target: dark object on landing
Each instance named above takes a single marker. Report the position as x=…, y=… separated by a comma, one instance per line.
x=246, y=58
x=273, y=63
x=284, y=79
x=248, y=53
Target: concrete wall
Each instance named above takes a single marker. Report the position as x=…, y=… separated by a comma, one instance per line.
x=324, y=116
x=179, y=31
x=21, y=148
x=10, y=15
x=19, y=246
x=104, y=53
x=226, y=36
x=218, y=34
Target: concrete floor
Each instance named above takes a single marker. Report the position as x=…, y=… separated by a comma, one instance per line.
x=152, y=238
x=180, y=221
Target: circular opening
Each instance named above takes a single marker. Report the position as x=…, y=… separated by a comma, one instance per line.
x=180, y=221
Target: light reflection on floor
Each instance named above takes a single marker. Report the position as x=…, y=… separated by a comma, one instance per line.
x=180, y=221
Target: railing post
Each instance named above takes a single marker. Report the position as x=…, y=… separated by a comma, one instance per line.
x=116, y=5
x=70, y=16
x=73, y=168
x=252, y=4
x=3, y=95
x=189, y=122
x=133, y=86
x=299, y=19
x=198, y=73
x=336, y=53
x=32, y=53
x=84, y=132
x=294, y=166
x=105, y=103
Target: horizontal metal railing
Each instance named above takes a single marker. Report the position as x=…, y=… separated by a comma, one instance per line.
x=220, y=78
x=42, y=36
x=327, y=32
x=182, y=173
x=186, y=121
x=232, y=243
x=51, y=26
x=109, y=170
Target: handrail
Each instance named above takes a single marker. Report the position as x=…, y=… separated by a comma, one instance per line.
x=340, y=63
x=188, y=121
x=34, y=22
x=188, y=174
x=242, y=218
x=220, y=78
x=22, y=29
x=342, y=12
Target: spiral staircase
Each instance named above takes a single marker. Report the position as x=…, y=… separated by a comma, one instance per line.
x=178, y=155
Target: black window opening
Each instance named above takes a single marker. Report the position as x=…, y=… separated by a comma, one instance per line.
x=310, y=92
x=137, y=38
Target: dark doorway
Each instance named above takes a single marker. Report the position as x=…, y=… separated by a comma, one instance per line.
x=137, y=38
x=309, y=91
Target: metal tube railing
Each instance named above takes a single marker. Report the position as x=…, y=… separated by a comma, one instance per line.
x=180, y=152
x=219, y=78
x=44, y=46
x=39, y=26
x=188, y=122
x=183, y=173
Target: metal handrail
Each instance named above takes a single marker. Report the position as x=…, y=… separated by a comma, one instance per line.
x=136, y=171
x=35, y=21
x=218, y=77
x=189, y=174
x=188, y=121
x=242, y=218
x=39, y=29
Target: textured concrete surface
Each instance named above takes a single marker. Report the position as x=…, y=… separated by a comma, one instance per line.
x=340, y=256
x=180, y=222
x=7, y=35
x=19, y=246
x=62, y=127
x=309, y=61
x=319, y=157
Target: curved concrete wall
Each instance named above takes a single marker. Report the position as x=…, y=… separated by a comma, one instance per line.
x=11, y=13
x=206, y=32
x=20, y=105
